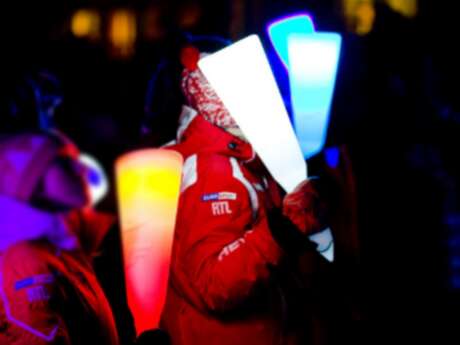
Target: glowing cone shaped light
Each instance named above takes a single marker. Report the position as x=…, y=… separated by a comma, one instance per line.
x=241, y=76
x=148, y=183
x=313, y=60
x=279, y=31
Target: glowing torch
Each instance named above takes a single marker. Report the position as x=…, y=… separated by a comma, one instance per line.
x=280, y=30
x=313, y=62
x=148, y=183
x=241, y=76
x=312, y=59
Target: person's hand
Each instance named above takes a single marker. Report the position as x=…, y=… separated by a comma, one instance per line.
x=305, y=208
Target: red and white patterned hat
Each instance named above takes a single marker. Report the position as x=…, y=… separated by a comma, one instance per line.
x=199, y=93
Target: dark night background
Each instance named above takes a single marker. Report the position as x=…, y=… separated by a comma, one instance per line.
x=396, y=109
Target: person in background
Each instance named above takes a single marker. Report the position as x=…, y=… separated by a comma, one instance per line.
x=49, y=293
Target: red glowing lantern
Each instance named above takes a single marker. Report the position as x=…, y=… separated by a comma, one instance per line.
x=148, y=184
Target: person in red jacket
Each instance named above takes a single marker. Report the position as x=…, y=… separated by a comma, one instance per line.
x=232, y=241
x=49, y=294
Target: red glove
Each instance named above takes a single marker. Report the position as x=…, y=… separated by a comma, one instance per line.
x=305, y=208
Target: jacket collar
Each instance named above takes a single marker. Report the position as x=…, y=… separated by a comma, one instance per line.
x=196, y=135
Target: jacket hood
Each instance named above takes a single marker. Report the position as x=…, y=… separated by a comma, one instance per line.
x=200, y=136
x=79, y=229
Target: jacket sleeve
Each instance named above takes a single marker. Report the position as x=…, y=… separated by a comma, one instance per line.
x=224, y=253
x=27, y=293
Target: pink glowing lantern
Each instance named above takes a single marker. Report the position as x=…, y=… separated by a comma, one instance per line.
x=148, y=184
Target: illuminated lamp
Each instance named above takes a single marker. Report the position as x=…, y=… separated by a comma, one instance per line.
x=189, y=15
x=407, y=8
x=280, y=29
x=359, y=15
x=313, y=61
x=148, y=183
x=241, y=76
x=86, y=23
x=151, y=23
x=95, y=177
x=122, y=32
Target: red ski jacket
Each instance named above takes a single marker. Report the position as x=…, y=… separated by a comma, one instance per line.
x=51, y=297
x=222, y=286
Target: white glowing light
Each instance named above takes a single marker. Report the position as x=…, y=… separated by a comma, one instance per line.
x=241, y=76
x=325, y=243
x=313, y=60
x=96, y=178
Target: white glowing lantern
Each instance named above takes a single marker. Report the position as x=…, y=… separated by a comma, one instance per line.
x=148, y=183
x=241, y=76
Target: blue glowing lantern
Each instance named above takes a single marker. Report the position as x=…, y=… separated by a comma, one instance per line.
x=280, y=29
x=313, y=61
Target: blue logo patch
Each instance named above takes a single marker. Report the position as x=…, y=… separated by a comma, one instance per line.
x=210, y=197
x=218, y=196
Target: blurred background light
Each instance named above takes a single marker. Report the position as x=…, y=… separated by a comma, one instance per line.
x=86, y=23
x=122, y=32
x=359, y=15
x=408, y=8
x=238, y=18
x=189, y=15
x=151, y=24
